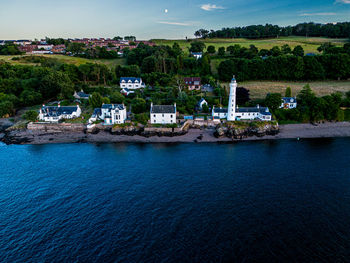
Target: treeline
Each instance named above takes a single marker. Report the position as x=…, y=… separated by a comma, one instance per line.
x=278, y=64
x=338, y=30
x=9, y=49
x=167, y=60
x=310, y=108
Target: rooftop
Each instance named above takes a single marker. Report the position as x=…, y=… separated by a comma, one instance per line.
x=163, y=109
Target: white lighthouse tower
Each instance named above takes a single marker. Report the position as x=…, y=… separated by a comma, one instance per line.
x=231, y=111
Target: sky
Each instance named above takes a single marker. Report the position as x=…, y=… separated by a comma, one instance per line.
x=147, y=19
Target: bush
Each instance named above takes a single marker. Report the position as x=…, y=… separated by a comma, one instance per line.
x=142, y=118
x=30, y=115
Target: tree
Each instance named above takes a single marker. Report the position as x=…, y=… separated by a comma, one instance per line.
x=288, y=92
x=205, y=108
x=30, y=115
x=298, y=51
x=276, y=51
x=75, y=48
x=286, y=49
x=6, y=109
x=221, y=51
x=138, y=105
x=211, y=49
x=30, y=97
x=273, y=101
x=117, y=97
x=117, y=38
x=95, y=100
x=197, y=46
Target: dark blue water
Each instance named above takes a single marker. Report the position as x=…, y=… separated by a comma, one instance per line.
x=248, y=202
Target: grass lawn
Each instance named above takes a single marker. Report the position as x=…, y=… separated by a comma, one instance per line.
x=259, y=89
x=69, y=60
x=310, y=44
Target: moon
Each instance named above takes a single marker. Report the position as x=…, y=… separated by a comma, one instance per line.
x=166, y=11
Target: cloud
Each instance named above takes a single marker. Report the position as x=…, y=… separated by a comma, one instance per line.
x=210, y=7
x=343, y=1
x=173, y=23
x=319, y=14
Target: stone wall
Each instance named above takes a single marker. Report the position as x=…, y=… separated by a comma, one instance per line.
x=56, y=127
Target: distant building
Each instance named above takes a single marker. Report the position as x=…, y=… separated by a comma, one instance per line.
x=288, y=103
x=207, y=88
x=81, y=95
x=56, y=113
x=45, y=47
x=197, y=55
x=163, y=114
x=110, y=114
x=131, y=83
x=59, y=49
x=193, y=83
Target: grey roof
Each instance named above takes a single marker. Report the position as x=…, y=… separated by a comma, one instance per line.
x=113, y=106
x=289, y=100
x=220, y=110
x=58, y=111
x=261, y=110
x=133, y=80
x=163, y=109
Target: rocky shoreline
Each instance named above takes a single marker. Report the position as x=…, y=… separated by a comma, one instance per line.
x=205, y=135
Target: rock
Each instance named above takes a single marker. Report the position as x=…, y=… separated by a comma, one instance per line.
x=219, y=131
x=5, y=124
x=246, y=129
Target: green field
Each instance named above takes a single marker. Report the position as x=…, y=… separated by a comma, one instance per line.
x=310, y=44
x=259, y=89
x=68, y=59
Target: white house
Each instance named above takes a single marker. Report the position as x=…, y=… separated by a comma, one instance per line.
x=202, y=102
x=197, y=55
x=112, y=114
x=219, y=113
x=131, y=83
x=81, y=95
x=252, y=113
x=126, y=91
x=288, y=103
x=233, y=112
x=163, y=114
x=56, y=113
x=45, y=47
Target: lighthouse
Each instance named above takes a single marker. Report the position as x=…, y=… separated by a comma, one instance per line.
x=231, y=111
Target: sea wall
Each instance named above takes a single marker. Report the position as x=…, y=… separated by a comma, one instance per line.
x=56, y=127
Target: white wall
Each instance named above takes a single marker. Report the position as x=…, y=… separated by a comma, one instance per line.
x=163, y=118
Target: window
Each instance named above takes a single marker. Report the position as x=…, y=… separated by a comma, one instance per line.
x=171, y=121
x=171, y=116
x=154, y=121
x=154, y=115
x=162, y=115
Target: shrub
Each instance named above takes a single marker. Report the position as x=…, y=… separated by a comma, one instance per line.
x=30, y=115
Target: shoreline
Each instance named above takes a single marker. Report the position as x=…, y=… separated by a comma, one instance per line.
x=287, y=131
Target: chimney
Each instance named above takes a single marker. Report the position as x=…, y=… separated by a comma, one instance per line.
x=258, y=106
